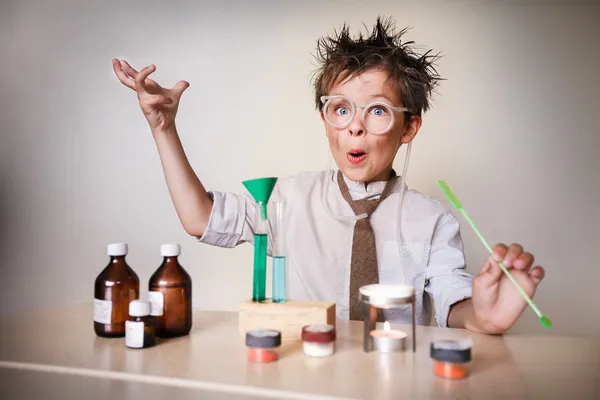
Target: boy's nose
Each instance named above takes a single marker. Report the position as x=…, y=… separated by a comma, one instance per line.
x=356, y=127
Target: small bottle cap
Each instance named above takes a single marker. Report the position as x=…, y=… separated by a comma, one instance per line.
x=263, y=338
x=117, y=249
x=139, y=308
x=319, y=333
x=170, y=250
x=454, y=351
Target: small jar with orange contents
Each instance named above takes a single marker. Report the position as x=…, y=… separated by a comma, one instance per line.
x=451, y=358
x=263, y=345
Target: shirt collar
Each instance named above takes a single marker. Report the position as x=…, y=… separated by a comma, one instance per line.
x=362, y=188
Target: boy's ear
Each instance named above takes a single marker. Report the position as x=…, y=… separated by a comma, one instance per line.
x=324, y=122
x=412, y=128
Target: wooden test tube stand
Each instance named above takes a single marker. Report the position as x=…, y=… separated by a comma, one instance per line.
x=288, y=317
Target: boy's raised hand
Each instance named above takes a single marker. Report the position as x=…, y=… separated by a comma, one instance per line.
x=158, y=104
x=496, y=301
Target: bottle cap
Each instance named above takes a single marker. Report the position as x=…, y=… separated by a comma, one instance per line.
x=117, y=249
x=319, y=333
x=453, y=351
x=139, y=308
x=170, y=250
x=263, y=338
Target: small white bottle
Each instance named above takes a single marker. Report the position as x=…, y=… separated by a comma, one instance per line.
x=140, y=330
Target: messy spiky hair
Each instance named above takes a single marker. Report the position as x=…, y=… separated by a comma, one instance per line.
x=341, y=57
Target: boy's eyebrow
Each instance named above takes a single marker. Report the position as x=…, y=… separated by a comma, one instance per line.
x=380, y=95
x=372, y=96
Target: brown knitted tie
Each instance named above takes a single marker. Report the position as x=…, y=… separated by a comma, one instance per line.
x=363, y=266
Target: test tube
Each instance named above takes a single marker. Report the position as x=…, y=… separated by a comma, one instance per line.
x=260, y=255
x=279, y=254
x=261, y=190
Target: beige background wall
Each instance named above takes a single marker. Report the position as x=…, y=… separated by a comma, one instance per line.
x=513, y=130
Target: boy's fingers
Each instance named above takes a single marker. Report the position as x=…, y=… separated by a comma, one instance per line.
x=123, y=77
x=514, y=251
x=494, y=270
x=128, y=68
x=524, y=262
x=133, y=73
x=499, y=252
x=537, y=274
x=140, y=79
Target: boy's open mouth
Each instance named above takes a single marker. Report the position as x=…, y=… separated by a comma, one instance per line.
x=356, y=156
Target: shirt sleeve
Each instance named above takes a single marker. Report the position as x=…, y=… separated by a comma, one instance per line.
x=231, y=220
x=446, y=279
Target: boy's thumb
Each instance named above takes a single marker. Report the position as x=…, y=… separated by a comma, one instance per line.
x=491, y=273
x=180, y=87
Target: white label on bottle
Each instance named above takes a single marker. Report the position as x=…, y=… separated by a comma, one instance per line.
x=102, y=311
x=157, y=302
x=134, y=334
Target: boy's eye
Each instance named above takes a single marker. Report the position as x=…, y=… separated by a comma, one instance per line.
x=342, y=111
x=378, y=111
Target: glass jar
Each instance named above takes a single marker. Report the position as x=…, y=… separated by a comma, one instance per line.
x=452, y=358
x=318, y=340
x=263, y=345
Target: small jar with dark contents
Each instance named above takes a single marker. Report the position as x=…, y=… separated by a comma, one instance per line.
x=140, y=329
x=263, y=345
x=451, y=358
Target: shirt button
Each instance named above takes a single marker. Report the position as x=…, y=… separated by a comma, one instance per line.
x=405, y=249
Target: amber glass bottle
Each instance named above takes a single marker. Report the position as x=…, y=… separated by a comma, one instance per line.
x=170, y=293
x=115, y=287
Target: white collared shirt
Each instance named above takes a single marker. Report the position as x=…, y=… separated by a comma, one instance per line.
x=319, y=247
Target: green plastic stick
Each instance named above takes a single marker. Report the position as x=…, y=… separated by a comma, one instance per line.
x=458, y=205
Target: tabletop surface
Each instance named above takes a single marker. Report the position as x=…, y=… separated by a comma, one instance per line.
x=56, y=348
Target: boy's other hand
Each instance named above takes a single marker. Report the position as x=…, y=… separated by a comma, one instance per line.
x=497, y=304
x=158, y=104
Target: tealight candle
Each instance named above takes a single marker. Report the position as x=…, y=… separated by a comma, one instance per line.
x=388, y=340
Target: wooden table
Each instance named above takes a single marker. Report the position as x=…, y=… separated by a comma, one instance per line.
x=55, y=354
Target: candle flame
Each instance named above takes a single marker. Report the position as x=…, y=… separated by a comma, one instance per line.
x=386, y=326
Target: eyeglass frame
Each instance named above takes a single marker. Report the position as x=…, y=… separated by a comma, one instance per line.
x=326, y=99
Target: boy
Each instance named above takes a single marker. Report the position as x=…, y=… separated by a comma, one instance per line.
x=342, y=226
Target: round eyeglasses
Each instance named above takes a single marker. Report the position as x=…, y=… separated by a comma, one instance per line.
x=377, y=117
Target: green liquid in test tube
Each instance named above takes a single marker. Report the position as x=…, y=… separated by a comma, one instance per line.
x=279, y=255
x=259, y=284
x=261, y=190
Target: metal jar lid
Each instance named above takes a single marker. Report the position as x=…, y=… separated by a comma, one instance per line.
x=264, y=338
x=318, y=333
x=453, y=351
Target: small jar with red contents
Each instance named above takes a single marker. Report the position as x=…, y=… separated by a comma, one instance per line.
x=451, y=358
x=263, y=345
x=318, y=340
